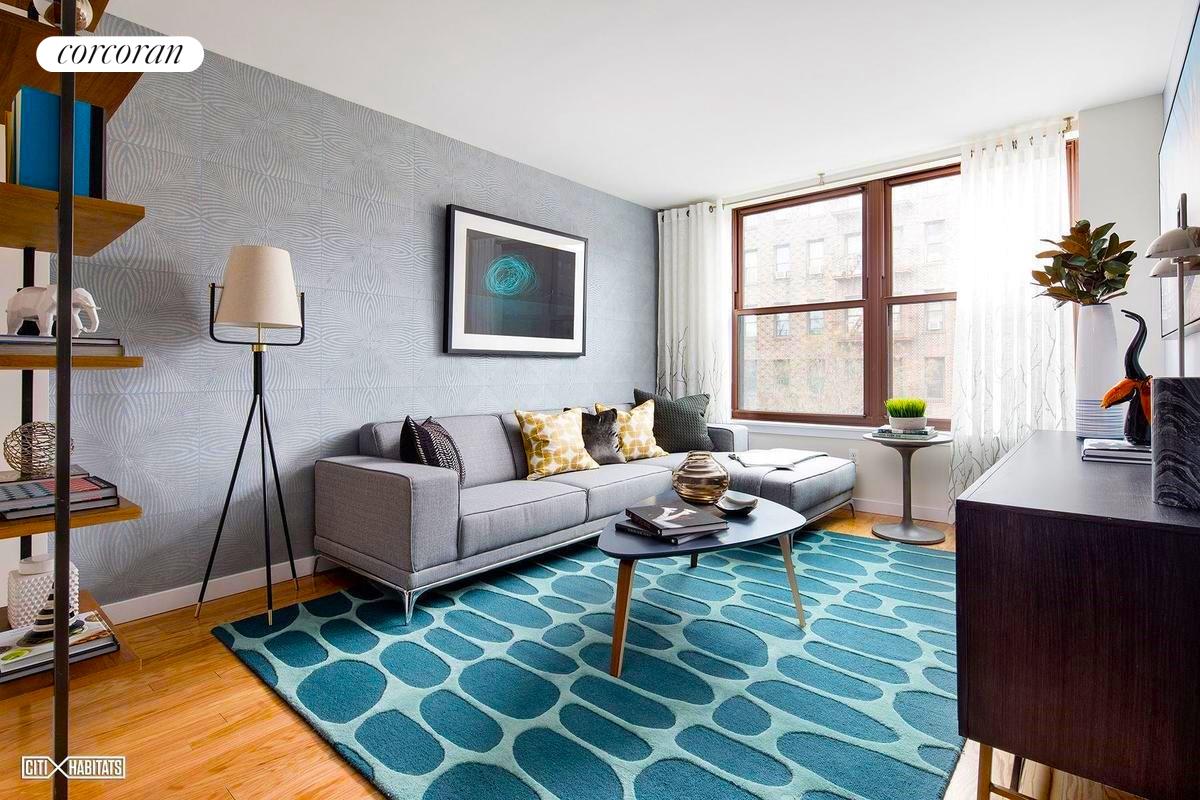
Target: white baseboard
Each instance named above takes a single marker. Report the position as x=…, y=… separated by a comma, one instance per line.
x=895, y=509
x=184, y=596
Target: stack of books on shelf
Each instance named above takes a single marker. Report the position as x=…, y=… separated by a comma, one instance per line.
x=22, y=497
x=1115, y=451
x=44, y=346
x=90, y=637
x=886, y=432
x=675, y=524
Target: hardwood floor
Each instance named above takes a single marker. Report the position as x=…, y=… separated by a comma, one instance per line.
x=195, y=723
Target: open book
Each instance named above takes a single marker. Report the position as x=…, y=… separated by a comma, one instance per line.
x=776, y=457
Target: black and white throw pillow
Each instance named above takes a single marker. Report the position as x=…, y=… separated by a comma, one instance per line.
x=679, y=425
x=600, y=437
x=430, y=444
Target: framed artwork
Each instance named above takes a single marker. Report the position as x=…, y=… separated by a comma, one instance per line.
x=1179, y=173
x=513, y=288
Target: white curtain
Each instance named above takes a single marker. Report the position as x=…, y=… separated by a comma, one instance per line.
x=1013, y=352
x=695, y=297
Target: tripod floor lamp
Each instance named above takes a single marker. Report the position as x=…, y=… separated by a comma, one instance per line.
x=259, y=292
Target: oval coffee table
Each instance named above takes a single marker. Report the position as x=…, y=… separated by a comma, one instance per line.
x=768, y=520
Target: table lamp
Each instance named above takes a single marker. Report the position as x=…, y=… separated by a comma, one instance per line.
x=1175, y=401
x=259, y=292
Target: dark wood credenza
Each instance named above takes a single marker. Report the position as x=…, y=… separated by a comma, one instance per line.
x=1079, y=619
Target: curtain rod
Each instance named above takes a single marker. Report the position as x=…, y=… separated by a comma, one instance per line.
x=823, y=181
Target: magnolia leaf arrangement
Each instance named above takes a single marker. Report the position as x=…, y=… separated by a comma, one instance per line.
x=1088, y=267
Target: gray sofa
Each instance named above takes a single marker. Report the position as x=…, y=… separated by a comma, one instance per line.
x=412, y=527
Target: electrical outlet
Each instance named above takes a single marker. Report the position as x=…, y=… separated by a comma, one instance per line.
x=853, y=455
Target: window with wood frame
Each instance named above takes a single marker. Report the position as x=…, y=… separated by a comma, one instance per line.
x=868, y=313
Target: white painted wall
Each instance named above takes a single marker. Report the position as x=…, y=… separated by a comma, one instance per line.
x=1118, y=181
x=879, y=483
x=10, y=389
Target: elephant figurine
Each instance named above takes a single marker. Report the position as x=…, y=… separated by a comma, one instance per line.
x=40, y=303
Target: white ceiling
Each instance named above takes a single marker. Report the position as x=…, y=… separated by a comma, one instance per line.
x=668, y=101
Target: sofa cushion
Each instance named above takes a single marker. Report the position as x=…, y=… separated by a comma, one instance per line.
x=504, y=513
x=553, y=442
x=600, y=437
x=809, y=484
x=615, y=487
x=670, y=461
x=636, y=429
x=679, y=424
x=430, y=444
x=481, y=442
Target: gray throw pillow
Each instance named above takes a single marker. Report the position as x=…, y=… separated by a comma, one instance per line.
x=679, y=425
x=600, y=437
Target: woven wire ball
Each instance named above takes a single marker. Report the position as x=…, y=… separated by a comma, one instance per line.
x=30, y=448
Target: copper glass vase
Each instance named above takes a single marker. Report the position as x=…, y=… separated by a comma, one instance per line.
x=700, y=479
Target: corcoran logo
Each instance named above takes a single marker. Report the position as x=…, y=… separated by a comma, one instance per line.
x=90, y=768
x=120, y=54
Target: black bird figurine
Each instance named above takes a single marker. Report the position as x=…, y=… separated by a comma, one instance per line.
x=1134, y=389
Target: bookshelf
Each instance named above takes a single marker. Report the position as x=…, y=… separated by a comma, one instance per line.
x=29, y=218
x=19, y=40
x=122, y=512
x=77, y=362
x=124, y=658
x=60, y=222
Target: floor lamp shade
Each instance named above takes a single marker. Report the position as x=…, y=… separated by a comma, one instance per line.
x=259, y=289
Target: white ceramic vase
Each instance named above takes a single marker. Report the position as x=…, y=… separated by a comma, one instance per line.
x=1098, y=367
x=907, y=423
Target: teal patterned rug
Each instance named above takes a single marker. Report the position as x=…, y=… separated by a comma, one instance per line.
x=499, y=689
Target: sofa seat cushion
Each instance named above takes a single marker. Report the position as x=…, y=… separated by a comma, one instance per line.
x=499, y=514
x=810, y=484
x=671, y=461
x=615, y=487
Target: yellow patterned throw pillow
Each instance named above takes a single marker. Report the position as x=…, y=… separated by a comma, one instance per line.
x=554, y=442
x=636, y=431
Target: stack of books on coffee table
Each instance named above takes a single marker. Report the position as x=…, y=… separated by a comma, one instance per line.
x=22, y=497
x=676, y=523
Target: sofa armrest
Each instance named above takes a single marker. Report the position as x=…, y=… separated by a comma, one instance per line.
x=729, y=437
x=403, y=514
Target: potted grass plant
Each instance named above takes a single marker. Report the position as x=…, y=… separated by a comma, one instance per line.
x=906, y=413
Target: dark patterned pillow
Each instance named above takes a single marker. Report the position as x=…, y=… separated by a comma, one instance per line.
x=679, y=425
x=430, y=444
x=600, y=437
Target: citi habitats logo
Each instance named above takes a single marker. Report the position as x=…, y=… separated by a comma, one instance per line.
x=91, y=768
x=120, y=54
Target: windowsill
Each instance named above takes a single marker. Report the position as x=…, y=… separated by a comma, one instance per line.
x=805, y=429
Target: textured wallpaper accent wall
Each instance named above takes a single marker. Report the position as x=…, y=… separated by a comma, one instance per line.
x=234, y=155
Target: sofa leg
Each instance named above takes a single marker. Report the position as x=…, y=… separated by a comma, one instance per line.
x=410, y=603
x=850, y=505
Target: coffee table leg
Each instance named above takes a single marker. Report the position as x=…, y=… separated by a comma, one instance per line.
x=695, y=560
x=621, y=616
x=785, y=545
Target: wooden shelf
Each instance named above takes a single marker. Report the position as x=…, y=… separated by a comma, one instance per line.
x=98, y=7
x=77, y=362
x=12, y=529
x=121, y=660
x=19, y=40
x=29, y=218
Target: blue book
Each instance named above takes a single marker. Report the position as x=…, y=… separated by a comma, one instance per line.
x=36, y=141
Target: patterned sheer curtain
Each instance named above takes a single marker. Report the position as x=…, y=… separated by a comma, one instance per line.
x=1013, y=352
x=695, y=297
